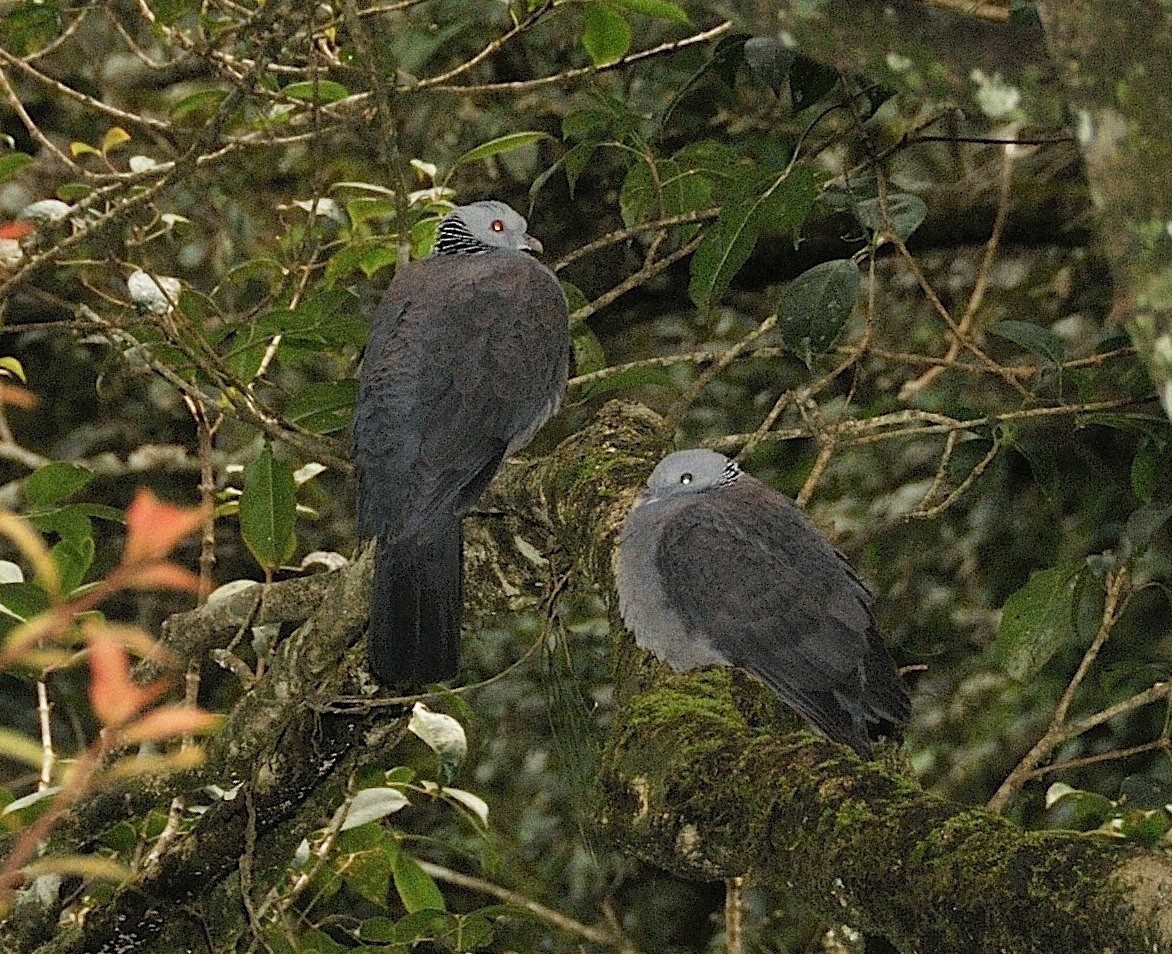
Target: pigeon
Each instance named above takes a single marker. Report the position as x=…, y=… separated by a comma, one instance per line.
x=467, y=358
x=715, y=568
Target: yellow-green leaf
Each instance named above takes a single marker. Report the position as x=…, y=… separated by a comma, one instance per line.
x=115, y=136
x=506, y=143
x=13, y=368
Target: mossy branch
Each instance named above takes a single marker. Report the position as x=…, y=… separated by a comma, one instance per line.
x=702, y=773
x=704, y=776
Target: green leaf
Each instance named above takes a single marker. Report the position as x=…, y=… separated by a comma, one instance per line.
x=576, y=161
x=12, y=162
x=369, y=255
x=324, y=407
x=69, y=523
x=658, y=9
x=365, y=857
x=323, y=91
x=589, y=355
x=314, y=941
x=1153, y=426
x=1143, y=525
x=245, y=354
x=816, y=305
x=493, y=147
x=787, y=206
x=1034, y=338
x=169, y=11
x=326, y=321
x=586, y=122
x=607, y=34
x=809, y=81
x=651, y=192
x=726, y=247
x=718, y=163
x=73, y=191
x=425, y=925
x=364, y=208
x=29, y=28
x=1148, y=468
x=23, y=600
x=905, y=213
x=268, y=506
x=1043, y=465
x=417, y=890
x=198, y=107
x=1037, y=620
x=73, y=559
x=625, y=380
x=54, y=482
x=779, y=199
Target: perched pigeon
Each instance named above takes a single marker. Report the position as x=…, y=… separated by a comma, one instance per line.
x=466, y=360
x=717, y=569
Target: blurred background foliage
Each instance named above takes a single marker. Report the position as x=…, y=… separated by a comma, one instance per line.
x=217, y=192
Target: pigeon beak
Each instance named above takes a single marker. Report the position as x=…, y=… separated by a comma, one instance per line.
x=534, y=245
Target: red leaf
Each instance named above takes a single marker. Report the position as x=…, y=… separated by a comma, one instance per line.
x=16, y=230
x=153, y=527
x=160, y=576
x=168, y=722
x=113, y=696
x=12, y=394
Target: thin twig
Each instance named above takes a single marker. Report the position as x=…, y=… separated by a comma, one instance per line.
x=48, y=755
x=734, y=915
x=980, y=285
x=388, y=143
x=710, y=374
x=555, y=918
x=568, y=76
x=1114, y=602
x=1162, y=744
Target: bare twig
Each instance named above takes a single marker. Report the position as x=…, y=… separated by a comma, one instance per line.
x=555, y=918
x=568, y=76
x=1114, y=603
x=980, y=286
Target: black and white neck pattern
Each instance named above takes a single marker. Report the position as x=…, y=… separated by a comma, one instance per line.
x=730, y=474
x=454, y=238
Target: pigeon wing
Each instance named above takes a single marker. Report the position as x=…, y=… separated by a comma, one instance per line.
x=747, y=572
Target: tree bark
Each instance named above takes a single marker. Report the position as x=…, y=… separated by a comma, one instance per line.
x=702, y=773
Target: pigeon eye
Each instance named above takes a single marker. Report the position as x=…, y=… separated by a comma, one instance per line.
x=497, y=225
x=685, y=478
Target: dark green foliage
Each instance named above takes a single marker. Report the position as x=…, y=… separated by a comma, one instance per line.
x=988, y=472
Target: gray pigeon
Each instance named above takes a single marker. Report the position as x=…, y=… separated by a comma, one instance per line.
x=467, y=358
x=717, y=569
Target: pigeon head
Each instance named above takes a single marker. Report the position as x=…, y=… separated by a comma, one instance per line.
x=690, y=472
x=481, y=226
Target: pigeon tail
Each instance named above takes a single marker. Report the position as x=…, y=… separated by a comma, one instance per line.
x=414, y=636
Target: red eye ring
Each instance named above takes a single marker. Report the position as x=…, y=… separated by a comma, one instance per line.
x=497, y=225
